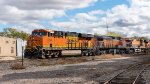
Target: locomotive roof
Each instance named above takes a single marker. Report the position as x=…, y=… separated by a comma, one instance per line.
x=105, y=37
x=49, y=30
x=85, y=35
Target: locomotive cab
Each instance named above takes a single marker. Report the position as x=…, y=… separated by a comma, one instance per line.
x=38, y=38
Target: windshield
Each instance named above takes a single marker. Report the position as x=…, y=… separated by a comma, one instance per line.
x=39, y=33
x=42, y=33
x=34, y=33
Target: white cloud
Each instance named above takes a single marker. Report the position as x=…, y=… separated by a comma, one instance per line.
x=96, y=12
x=85, y=17
x=139, y=3
x=130, y=20
x=13, y=15
x=49, y=4
x=32, y=11
x=83, y=22
x=135, y=18
x=28, y=27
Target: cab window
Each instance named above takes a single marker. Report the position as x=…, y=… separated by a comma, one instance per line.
x=34, y=33
x=42, y=33
x=49, y=34
x=58, y=33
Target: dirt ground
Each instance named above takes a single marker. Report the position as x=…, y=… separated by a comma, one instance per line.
x=65, y=70
x=59, y=61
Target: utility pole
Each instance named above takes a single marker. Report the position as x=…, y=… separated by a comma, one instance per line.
x=22, y=55
x=107, y=25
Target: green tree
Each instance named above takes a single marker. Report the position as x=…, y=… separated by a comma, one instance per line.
x=144, y=38
x=97, y=34
x=115, y=34
x=23, y=35
x=14, y=33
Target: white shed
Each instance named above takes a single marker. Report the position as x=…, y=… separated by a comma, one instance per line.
x=20, y=43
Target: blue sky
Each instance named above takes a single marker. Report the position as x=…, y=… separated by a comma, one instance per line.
x=129, y=17
x=100, y=5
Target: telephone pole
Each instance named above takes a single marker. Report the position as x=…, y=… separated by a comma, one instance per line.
x=107, y=25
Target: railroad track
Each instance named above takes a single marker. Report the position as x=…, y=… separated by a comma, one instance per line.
x=131, y=75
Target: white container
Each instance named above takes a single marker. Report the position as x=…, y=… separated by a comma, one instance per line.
x=20, y=43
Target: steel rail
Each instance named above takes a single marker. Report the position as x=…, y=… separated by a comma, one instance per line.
x=108, y=81
x=134, y=82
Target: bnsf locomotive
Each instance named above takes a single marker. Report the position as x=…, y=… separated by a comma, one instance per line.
x=49, y=43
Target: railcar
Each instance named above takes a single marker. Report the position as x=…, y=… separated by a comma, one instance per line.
x=44, y=43
x=48, y=43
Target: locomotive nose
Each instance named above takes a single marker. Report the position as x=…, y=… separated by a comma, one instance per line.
x=34, y=41
x=31, y=37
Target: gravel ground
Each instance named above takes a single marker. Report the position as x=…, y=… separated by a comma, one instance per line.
x=90, y=71
x=146, y=75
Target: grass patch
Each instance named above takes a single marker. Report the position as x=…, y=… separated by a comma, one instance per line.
x=44, y=62
x=71, y=61
x=17, y=66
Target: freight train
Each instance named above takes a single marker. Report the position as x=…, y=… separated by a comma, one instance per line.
x=43, y=43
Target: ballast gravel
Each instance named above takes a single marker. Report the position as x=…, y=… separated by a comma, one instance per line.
x=90, y=72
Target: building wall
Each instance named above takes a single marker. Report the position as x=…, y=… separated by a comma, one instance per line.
x=7, y=46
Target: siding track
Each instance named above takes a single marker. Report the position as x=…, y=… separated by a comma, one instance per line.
x=131, y=75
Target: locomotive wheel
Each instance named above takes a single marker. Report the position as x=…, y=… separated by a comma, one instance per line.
x=60, y=54
x=93, y=54
x=86, y=54
x=82, y=54
x=42, y=57
x=52, y=56
x=41, y=54
x=47, y=56
x=56, y=54
x=89, y=54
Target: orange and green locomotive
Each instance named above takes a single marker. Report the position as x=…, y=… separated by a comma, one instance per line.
x=50, y=43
